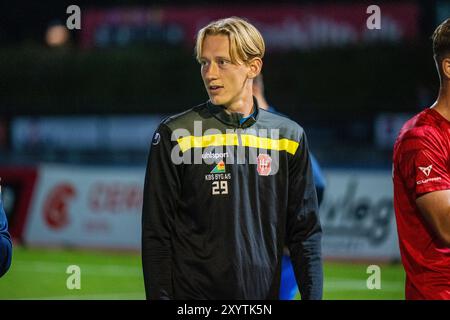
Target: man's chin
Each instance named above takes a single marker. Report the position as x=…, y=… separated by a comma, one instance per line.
x=217, y=101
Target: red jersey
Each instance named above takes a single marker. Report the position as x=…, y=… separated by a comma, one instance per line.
x=422, y=165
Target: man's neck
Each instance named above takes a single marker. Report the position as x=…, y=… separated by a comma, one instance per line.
x=442, y=104
x=262, y=102
x=243, y=105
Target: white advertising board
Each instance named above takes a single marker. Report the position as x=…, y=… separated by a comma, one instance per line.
x=357, y=215
x=86, y=207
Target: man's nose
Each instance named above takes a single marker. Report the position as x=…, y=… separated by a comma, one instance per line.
x=212, y=71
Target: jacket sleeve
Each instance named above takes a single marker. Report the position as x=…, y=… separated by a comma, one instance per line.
x=5, y=242
x=304, y=232
x=160, y=199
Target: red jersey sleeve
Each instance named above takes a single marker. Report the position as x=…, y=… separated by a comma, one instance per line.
x=428, y=163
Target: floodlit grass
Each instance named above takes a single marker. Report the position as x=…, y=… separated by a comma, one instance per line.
x=41, y=274
x=349, y=281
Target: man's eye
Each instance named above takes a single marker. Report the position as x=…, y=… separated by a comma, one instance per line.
x=223, y=62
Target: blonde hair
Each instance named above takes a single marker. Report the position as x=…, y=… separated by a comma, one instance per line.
x=246, y=42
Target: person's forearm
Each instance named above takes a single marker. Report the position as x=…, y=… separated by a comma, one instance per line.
x=5, y=253
x=307, y=261
x=156, y=262
x=161, y=190
x=5, y=241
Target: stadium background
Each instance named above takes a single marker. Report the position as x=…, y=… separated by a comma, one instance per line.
x=78, y=109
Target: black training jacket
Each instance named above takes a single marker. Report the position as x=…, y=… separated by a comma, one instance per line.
x=221, y=200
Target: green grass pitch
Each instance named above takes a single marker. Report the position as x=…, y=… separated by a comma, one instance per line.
x=41, y=274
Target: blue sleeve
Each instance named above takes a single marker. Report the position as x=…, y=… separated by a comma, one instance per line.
x=319, y=179
x=5, y=242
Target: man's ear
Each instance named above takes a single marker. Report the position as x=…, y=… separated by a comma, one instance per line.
x=445, y=64
x=255, y=66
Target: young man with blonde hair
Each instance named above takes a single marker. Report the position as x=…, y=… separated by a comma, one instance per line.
x=226, y=184
x=421, y=175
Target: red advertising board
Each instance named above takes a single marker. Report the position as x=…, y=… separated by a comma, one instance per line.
x=284, y=27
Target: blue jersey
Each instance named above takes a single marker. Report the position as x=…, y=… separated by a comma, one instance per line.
x=319, y=179
x=5, y=242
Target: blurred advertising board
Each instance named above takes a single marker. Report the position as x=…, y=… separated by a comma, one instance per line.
x=358, y=217
x=101, y=207
x=387, y=126
x=83, y=133
x=18, y=187
x=86, y=207
x=283, y=26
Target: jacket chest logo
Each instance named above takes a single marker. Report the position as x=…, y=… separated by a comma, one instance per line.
x=264, y=164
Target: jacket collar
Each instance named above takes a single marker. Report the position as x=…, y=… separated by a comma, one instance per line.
x=233, y=119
